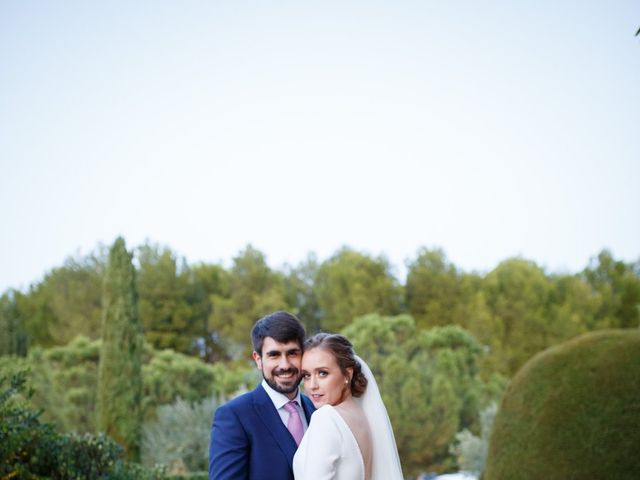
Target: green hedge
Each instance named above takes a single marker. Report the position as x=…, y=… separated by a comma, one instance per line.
x=572, y=412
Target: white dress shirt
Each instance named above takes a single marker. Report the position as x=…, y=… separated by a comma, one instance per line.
x=280, y=400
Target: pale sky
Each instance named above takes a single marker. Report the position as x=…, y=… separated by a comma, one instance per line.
x=489, y=129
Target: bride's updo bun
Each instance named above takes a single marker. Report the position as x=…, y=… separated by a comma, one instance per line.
x=342, y=349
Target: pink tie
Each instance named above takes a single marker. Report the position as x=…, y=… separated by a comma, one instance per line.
x=294, y=424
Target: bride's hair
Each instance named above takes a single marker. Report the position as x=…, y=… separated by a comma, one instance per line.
x=342, y=349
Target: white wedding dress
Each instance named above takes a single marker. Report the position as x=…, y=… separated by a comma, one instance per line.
x=329, y=450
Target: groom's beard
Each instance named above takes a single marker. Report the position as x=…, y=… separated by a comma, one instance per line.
x=285, y=386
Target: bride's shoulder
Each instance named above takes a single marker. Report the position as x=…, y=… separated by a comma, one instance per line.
x=325, y=420
x=325, y=411
x=325, y=415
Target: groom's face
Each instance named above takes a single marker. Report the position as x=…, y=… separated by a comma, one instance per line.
x=280, y=365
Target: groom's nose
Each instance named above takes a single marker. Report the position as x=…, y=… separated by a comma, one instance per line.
x=284, y=363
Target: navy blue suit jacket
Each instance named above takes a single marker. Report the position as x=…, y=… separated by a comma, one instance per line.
x=250, y=441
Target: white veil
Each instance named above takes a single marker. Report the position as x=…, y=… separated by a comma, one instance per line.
x=386, y=462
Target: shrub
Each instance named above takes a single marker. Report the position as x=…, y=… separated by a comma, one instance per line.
x=572, y=412
x=65, y=380
x=471, y=450
x=30, y=449
x=179, y=439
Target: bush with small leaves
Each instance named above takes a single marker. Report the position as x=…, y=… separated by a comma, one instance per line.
x=179, y=439
x=30, y=449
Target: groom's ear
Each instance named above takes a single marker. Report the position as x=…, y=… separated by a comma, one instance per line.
x=258, y=359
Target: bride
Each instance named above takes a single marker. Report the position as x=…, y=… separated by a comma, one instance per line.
x=350, y=435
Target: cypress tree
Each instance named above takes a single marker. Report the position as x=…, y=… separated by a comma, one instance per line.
x=119, y=374
x=14, y=340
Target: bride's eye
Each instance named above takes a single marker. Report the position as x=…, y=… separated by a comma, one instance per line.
x=323, y=373
x=305, y=376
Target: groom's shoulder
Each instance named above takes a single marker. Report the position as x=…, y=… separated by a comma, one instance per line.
x=243, y=400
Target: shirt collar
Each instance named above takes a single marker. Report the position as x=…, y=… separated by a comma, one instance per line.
x=279, y=399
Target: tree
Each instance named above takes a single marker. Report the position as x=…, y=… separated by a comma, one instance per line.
x=436, y=293
x=351, y=284
x=616, y=288
x=254, y=291
x=516, y=294
x=168, y=317
x=206, y=283
x=65, y=378
x=572, y=307
x=429, y=381
x=66, y=303
x=119, y=373
x=14, y=339
x=300, y=292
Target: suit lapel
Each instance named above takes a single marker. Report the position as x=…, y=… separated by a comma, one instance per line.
x=271, y=419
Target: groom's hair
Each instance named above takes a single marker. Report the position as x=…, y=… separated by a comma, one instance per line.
x=282, y=326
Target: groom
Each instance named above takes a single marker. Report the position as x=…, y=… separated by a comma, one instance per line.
x=255, y=435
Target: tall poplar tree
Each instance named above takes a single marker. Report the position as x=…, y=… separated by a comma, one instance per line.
x=119, y=374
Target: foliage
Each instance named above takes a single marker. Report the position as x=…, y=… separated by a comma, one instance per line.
x=66, y=303
x=14, y=340
x=190, y=476
x=351, y=284
x=30, y=449
x=436, y=293
x=206, y=282
x=65, y=380
x=119, y=399
x=300, y=292
x=205, y=310
x=179, y=438
x=254, y=291
x=572, y=412
x=429, y=381
x=471, y=450
x=166, y=311
x=616, y=288
x=513, y=311
x=170, y=375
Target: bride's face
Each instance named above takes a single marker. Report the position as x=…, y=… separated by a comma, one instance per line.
x=324, y=382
